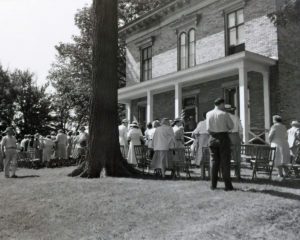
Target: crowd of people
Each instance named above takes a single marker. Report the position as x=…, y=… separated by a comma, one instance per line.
x=55, y=146
x=219, y=130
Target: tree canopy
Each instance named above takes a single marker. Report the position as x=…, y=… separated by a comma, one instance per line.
x=71, y=73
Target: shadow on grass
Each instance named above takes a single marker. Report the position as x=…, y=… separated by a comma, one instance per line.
x=28, y=176
x=287, y=183
x=285, y=195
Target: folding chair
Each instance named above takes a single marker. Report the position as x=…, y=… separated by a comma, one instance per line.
x=180, y=163
x=205, y=163
x=140, y=152
x=294, y=166
x=264, y=160
x=122, y=148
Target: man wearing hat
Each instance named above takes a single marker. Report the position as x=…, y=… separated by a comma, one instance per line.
x=293, y=135
x=9, y=152
x=219, y=124
x=123, y=131
x=236, y=137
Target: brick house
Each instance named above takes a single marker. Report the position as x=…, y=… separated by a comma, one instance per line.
x=187, y=53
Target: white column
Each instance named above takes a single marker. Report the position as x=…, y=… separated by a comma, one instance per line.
x=178, y=100
x=267, y=112
x=149, y=106
x=243, y=86
x=128, y=111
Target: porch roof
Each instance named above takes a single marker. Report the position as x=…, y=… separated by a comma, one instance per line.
x=213, y=70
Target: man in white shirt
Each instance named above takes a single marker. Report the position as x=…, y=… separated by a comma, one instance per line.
x=9, y=152
x=123, y=131
x=236, y=137
x=219, y=124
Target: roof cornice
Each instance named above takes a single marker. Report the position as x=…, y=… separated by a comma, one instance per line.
x=152, y=16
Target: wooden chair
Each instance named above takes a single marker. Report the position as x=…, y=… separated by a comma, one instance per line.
x=205, y=163
x=180, y=164
x=248, y=152
x=140, y=152
x=294, y=166
x=188, y=158
x=264, y=160
x=122, y=148
x=235, y=162
x=35, y=162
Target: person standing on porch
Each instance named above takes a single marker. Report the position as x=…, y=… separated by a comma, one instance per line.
x=292, y=137
x=219, y=124
x=163, y=141
x=9, y=152
x=201, y=136
x=236, y=138
x=123, y=131
x=278, y=139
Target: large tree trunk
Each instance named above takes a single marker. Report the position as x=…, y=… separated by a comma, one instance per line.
x=104, y=149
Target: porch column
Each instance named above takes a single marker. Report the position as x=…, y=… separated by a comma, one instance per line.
x=149, y=106
x=178, y=100
x=267, y=113
x=128, y=111
x=243, y=87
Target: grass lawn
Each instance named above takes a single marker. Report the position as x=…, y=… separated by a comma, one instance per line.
x=46, y=204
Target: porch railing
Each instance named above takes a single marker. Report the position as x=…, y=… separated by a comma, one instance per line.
x=257, y=136
x=188, y=140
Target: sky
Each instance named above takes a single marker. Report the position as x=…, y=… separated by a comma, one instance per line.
x=29, y=30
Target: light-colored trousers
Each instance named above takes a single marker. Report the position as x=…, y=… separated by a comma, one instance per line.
x=10, y=161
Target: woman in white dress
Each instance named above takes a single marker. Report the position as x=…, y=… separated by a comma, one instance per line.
x=201, y=136
x=135, y=137
x=163, y=142
x=48, y=149
x=278, y=139
x=150, y=134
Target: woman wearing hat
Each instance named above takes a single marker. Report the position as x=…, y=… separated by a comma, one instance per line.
x=278, y=139
x=163, y=142
x=135, y=137
x=9, y=152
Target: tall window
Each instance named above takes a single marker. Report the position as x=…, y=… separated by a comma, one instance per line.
x=192, y=43
x=183, y=55
x=146, y=68
x=187, y=49
x=235, y=31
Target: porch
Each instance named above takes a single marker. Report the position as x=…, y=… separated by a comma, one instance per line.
x=229, y=77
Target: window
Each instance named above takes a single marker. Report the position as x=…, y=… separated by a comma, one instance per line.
x=183, y=55
x=146, y=67
x=187, y=50
x=235, y=32
x=192, y=47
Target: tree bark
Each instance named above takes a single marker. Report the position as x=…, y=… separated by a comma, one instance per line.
x=104, y=149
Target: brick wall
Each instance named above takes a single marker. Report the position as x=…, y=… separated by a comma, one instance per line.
x=286, y=89
x=260, y=37
x=164, y=105
x=164, y=63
